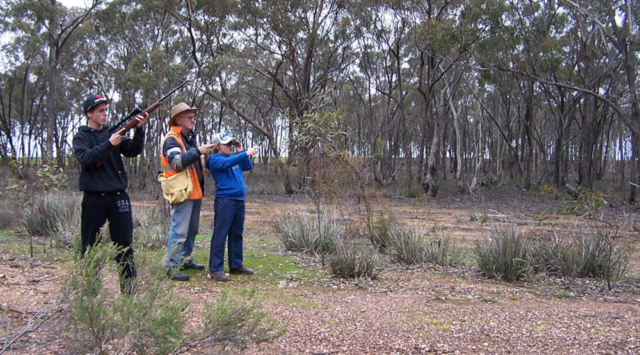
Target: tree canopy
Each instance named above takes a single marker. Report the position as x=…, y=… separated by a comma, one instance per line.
x=483, y=91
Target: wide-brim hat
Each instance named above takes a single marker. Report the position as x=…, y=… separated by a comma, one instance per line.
x=92, y=101
x=178, y=109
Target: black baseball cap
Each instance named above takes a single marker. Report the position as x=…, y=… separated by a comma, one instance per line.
x=92, y=101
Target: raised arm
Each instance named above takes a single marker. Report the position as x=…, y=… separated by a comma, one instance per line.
x=87, y=155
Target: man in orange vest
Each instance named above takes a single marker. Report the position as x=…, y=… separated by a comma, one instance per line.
x=180, y=151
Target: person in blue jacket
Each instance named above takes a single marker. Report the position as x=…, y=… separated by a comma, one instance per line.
x=226, y=169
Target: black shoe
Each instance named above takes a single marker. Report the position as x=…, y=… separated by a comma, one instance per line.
x=192, y=266
x=219, y=275
x=178, y=276
x=241, y=270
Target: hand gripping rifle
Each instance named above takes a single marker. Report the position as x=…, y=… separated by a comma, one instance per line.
x=130, y=123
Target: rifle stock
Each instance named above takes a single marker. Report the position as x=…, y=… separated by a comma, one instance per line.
x=134, y=122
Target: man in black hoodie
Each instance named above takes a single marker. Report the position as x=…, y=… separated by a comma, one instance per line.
x=104, y=181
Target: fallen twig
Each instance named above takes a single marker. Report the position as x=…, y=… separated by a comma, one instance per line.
x=40, y=318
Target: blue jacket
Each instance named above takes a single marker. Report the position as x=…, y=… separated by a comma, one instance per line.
x=227, y=172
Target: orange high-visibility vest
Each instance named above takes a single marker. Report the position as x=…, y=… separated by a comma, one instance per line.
x=168, y=171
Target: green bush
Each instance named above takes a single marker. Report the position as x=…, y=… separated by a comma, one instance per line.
x=350, y=261
x=590, y=254
x=152, y=321
x=441, y=251
x=407, y=246
x=90, y=319
x=380, y=228
x=55, y=215
x=506, y=255
x=587, y=201
x=237, y=319
x=98, y=321
x=293, y=232
x=301, y=233
x=412, y=191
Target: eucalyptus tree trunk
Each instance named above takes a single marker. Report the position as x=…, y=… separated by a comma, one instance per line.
x=588, y=136
x=430, y=182
x=53, y=76
x=557, y=151
x=425, y=89
x=527, y=148
x=23, y=110
x=479, y=144
x=458, y=137
x=620, y=165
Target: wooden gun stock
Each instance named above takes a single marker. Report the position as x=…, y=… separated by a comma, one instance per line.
x=129, y=125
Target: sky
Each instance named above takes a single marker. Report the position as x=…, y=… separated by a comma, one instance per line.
x=72, y=3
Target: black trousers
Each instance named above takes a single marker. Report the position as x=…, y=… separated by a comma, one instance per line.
x=99, y=207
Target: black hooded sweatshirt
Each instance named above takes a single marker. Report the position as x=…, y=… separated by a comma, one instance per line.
x=92, y=146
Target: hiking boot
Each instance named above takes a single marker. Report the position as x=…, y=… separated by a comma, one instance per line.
x=178, y=276
x=219, y=275
x=242, y=271
x=192, y=265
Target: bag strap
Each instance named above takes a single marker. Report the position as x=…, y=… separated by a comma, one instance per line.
x=174, y=136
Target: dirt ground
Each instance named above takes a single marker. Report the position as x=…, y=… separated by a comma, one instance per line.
x=415, y=310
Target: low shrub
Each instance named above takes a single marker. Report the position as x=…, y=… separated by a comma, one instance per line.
x=351, y=261
x=55, y=215
x=407, y=246
x=587, y=200
x=585, y=254
x=506, y=255
x=237, y=319
x=380, y=228
x=442, y=251
x=299, y=232
x=549, y=189
x=293, y=231
x=412, y=191
x=152, y=321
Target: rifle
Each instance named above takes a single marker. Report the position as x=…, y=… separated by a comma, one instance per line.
x=137, y=110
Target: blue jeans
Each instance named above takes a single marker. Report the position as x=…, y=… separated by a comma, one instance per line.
x=185, y=220
x=228, y=221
